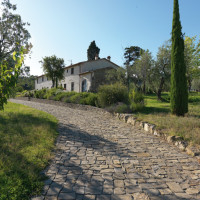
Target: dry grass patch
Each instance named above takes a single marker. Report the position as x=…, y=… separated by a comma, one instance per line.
x=158, y=113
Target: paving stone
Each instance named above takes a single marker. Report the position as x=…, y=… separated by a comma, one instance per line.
x=119, y=191
x=89, y=197
x=68, y=196
x=183, y=196
x=51, y=197
x=37, y=198
x=152, y=192
x=140, y=196
x=118, y=183
x=121, y=197
x=79, y=190
x=192, y=191
x=133, y=189
x=93, y=190
x=165, y=191
x=103, y=197
x=175, y=187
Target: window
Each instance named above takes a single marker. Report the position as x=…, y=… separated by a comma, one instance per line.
x=65, y=86
x=84, y=85
x=42, y=78
x=37, y=80
x=67, y=70
x=72, y=70
x=72, y=86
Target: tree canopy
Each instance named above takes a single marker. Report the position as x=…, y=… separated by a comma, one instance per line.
x=131, y=54
x=53, y=67
x=92, y=51
x=160, y=76
x=13, y=45
x=8, y=77
x=13, y=33
x=116, y=76
x=142, y=69
x=192, y=59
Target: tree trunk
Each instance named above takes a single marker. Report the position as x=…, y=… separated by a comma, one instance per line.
x=56, y=83
x=144, y=88
x=53, y=83
x=189, y=84
x=162, y=81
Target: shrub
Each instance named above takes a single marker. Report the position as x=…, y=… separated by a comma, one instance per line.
x=75, y=98
x=91, y=99
x=51, y=93
x=60, y=96
x=68, y=96
x=30, y=94
x=119, y=108
x=40, y=94
x=136, y=101
x=111, y=94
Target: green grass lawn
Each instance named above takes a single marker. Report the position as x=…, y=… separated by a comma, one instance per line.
x=27, y=137
x=158, y=113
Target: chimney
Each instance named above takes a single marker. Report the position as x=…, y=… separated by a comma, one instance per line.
x=108, y=57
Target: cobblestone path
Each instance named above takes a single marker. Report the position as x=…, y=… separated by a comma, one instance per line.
x=99, y=157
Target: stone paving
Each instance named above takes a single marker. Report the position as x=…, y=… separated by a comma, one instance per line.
x=101, y=158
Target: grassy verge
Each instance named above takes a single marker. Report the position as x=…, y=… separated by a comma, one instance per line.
x=26, y=139
x=158, y=113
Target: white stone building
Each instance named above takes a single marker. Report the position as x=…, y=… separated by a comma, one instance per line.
x=80, y=77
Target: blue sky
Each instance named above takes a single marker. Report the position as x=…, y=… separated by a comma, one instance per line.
x=67, y=27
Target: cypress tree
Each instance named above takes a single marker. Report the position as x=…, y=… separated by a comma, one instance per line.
x=92, y=51
x=179, y=91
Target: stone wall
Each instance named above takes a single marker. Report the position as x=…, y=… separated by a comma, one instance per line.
x=99, y=78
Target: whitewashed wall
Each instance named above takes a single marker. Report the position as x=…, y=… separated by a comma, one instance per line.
x=88, y=78
x=42, y=83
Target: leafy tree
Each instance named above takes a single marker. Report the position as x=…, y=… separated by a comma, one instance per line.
x=8, y=77
x=116, y=76
x=53, y=67
x=143, y=69
x=192, y=59
x=179, y=93
x=160, y=75
x=92, y=51
x=196, y=84
x=25, y=83
x=13, y=34
x=131, y=54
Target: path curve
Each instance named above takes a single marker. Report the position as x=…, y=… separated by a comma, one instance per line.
x=99, y=157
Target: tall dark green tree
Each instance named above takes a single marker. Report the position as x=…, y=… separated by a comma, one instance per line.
x=179, y=90
x=92, y=51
